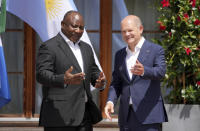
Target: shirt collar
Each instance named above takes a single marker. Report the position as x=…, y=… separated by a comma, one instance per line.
x=137, y=47
x=67, y=39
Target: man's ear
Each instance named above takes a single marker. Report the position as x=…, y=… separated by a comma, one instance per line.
x=62, y=24
x=141, y=29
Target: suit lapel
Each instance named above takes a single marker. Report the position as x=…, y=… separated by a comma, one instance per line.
x=123, y=67
x=68, y=52
x=84, y=55
x=144, y=52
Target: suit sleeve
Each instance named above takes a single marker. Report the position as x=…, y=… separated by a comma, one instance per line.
x=157, y=71
x=115, y=87
x=45, y=66
x=94, y=69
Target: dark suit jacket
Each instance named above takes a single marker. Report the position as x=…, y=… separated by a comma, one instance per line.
x=65, y=105
x=144, y=90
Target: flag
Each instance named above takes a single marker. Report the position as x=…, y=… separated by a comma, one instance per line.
x=4, y=87
x=45, y=16
x=2, y=15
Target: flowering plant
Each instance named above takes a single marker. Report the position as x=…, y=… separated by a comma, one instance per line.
x=179, y=22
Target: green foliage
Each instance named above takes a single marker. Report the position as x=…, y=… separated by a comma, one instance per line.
x=179, y=21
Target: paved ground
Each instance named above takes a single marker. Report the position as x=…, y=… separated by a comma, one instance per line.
x=24, y=124
x=41, y=129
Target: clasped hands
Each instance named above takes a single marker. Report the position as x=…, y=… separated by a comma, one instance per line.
x=76, y=79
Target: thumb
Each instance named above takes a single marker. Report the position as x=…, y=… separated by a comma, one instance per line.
x=101, y=74
x=70, y=69
x=112, y=109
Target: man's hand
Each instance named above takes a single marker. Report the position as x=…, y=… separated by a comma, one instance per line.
x=109, y=108
x=138, y=69
x=73, y=78
x=101, y=81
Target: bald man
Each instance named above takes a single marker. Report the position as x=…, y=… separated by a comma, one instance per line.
x=138, y=69
x=65, y=68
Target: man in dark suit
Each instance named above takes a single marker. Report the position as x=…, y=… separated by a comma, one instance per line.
x=138, y=69
x=65, y=68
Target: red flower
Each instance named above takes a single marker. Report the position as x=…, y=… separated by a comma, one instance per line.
x=159, y=22
x=165, y=3
x=193, y=2
x=170, y=34
x=186, y=16
x=198, y=83
x=188, y=51
x=162, y=27
x=178, y=18
x=197, y=22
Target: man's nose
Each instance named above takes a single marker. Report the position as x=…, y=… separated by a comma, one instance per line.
x=78, y=30
x=127, y=33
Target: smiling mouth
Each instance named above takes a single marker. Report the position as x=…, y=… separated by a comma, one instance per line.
x=77, y=36
x=129, y=38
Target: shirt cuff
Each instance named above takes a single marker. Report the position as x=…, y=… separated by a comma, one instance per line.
x=110, y=102
x=142, y=74
x=102, y=88
x=65, y=85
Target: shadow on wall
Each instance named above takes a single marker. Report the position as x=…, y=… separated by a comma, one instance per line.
x=182, y=117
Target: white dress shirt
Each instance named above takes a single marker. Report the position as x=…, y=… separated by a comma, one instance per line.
x=75, y=49
x=131, y=58
x=77, y=53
